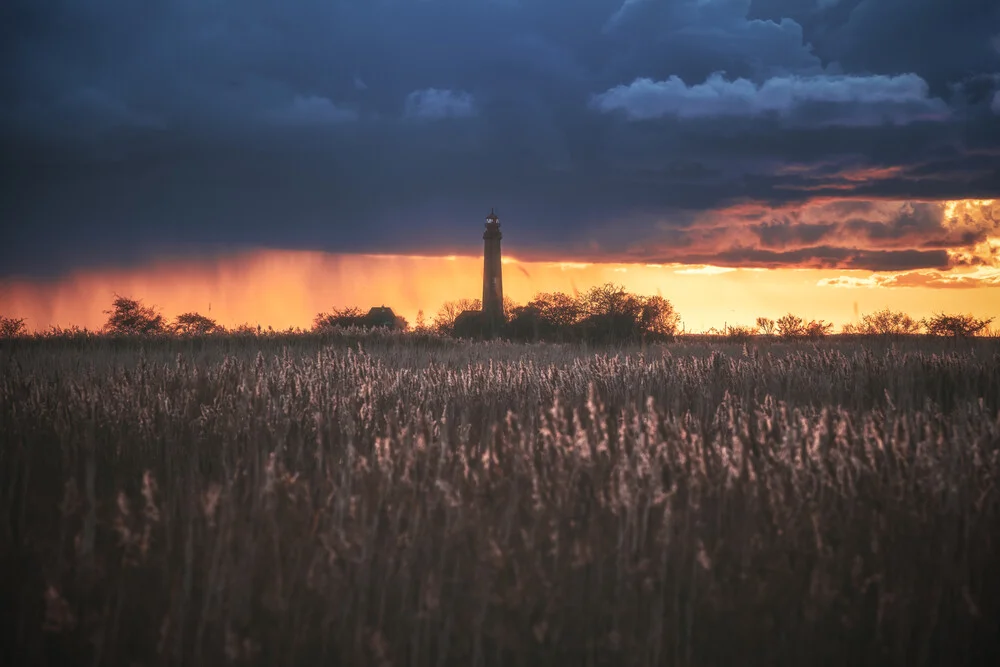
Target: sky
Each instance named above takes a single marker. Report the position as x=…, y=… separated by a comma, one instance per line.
x=741, y=157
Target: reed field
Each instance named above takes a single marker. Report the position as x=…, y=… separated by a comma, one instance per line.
x=394, y=500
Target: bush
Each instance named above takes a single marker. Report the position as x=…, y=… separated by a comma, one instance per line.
x=738, y=333
x=11, y=327
x=195, y=324
x=956, y=326
x=129, y=317
x=791, y=326
x=766, y=326
x=884, y=323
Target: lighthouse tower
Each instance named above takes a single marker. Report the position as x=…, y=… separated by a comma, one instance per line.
x=493, y=315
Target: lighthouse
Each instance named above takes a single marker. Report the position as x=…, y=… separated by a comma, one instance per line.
x=493, y=315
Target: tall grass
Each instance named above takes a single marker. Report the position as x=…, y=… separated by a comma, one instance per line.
x=376, y=502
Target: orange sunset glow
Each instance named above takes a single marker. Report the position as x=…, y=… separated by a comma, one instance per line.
x=285, y=289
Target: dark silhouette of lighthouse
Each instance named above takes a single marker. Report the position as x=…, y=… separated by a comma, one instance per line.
x=493, y=315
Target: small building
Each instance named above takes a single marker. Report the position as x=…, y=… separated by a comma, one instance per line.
x=469, y=324
x=382, y=316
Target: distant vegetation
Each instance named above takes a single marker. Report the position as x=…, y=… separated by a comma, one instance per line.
x=354, y=317
x=604, y=314
x=12, y=327
x=887, y=323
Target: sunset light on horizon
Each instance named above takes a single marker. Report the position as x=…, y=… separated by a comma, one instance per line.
x=287, y=289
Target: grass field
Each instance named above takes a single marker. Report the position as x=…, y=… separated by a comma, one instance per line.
x=393, y=500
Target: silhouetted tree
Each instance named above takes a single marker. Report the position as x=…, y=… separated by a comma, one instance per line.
x=611, y=314
x=884, y=323
x=558, y=309
x=194, y=324
x=129, y=317
x=766, y=326
x=508, y=305
x=791, y=326
x=548, y=316
x=956, y=326
x=12, y=327
x=525, y=323
x=658, y=317
x=606, y=313
x=346, y=317
x=738, y=332
x=818, y=328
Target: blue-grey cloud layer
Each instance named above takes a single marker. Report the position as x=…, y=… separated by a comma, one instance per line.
x=596, y=126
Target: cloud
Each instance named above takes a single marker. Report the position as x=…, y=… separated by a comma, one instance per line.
x=995, y=104
x=706, y=270
x=860, y=100
x=782, y=234
x=832, y=257
x=126, y=128
x=927, y=279
x=892, y=36
x=435, y=104
x=838, y=233
x=855, y=282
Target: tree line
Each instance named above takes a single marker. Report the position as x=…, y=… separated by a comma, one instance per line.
x=604, y=314
x=885, y=322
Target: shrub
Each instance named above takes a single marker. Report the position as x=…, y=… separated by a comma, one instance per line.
x=12, y=327
x=194, y=324
x=738, y=333
x=956, y=326
x=129, y=317
x=766, y=326
x=791, y=326
x=884, y=323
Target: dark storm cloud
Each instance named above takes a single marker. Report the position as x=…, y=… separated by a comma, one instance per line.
x=785, y=233
x=828, y=257
x=878, y=225
x=941, y=40
x=844, y=233
x=129, y=128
